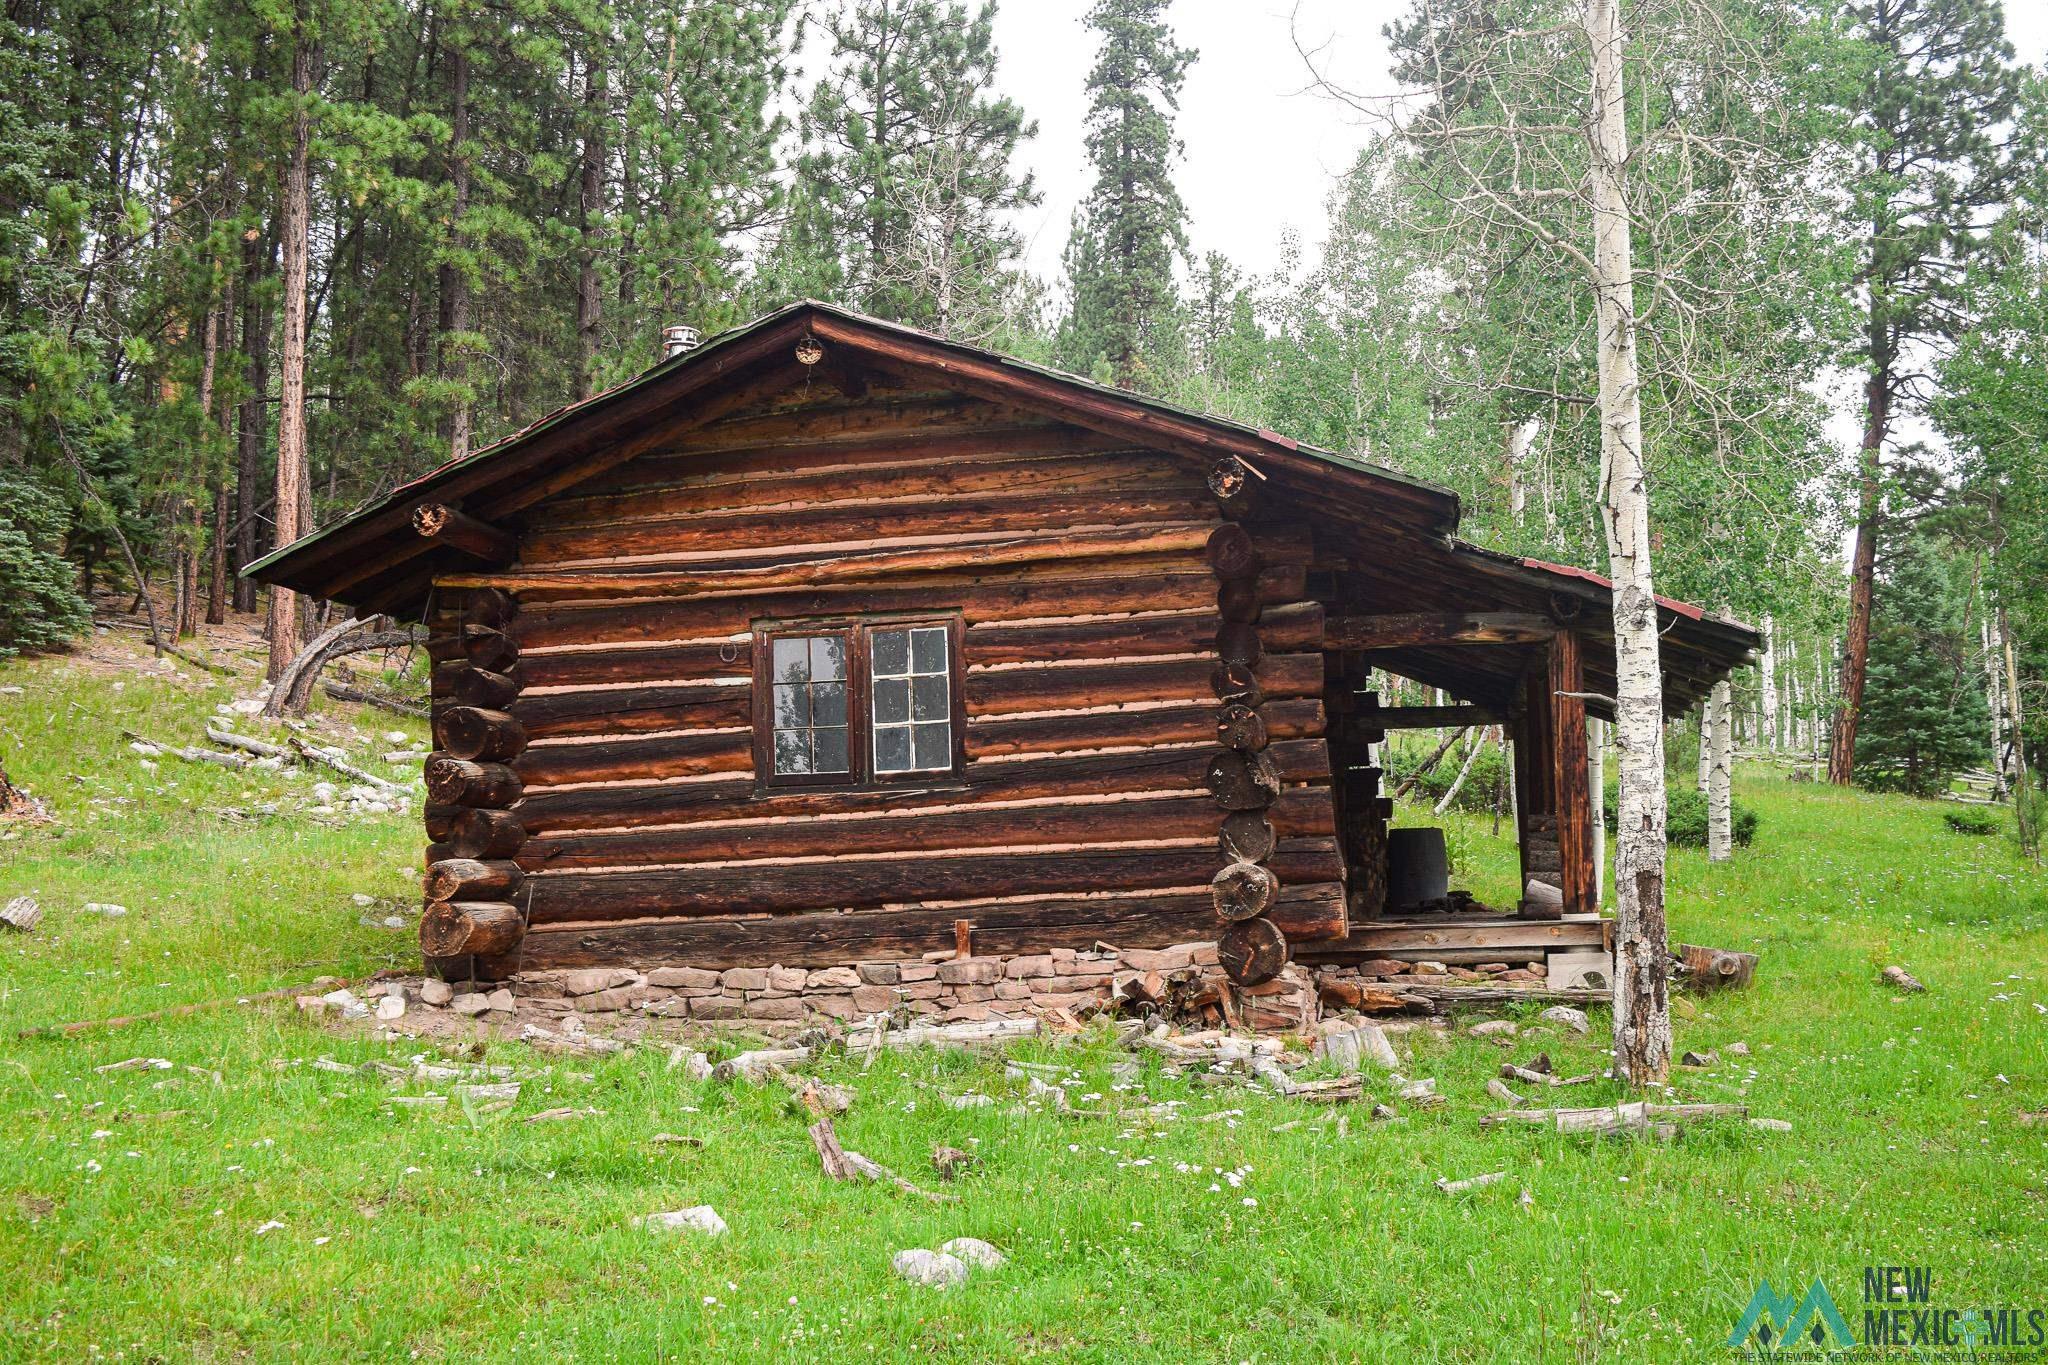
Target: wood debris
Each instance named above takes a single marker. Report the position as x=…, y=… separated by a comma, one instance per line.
x=1637, y=1117
x=1903, y=979
x=1470, y=1183
x=841, y=1164
x=21, y=914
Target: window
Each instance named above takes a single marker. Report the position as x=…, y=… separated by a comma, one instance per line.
x=855, y=703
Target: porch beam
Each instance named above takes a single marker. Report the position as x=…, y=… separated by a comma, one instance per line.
x=1422, y=629
x=1431, y=717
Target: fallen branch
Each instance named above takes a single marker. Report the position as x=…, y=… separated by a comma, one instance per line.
x=1622, y=1118
x=262, y=748
x=1903, y=979
x=218, y=760
x=841, y=1164
x=343, y=766
x=1476, y=1182
x=1429, y=764
x=293, y=691
x=367, y=697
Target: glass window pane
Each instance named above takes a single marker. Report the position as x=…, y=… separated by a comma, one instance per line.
x=792, y=752
x=928, y=650
x=792, y=706
x=828, y=703
x=830, y=742
x=828, y=658
x=792, y=660
x=934, y=746
x=930, y=698
x=892, y=700
x=892, y=748
x=892, y=652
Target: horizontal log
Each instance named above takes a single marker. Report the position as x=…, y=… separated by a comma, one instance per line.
x=1051, y=688
x=883, y=473
x=1033, y=592
x=847, y=567
x=463, y=682
x=884, y=419
x=458, y=928
x=1428, y=717
x=621, y=760
x=861, y=883
x=1288, y=629
x=474, y=733
x=634, y=710
x=456, y=529
x=468, y=879
x=1143, y=771
x=455, y=781
x=1305, y=914
x=1299, y=812
x=1300, y=718
x=838, y=523
x=1422, y=629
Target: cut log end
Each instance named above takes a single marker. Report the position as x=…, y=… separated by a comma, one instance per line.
x=1242, y=728
x=1241, y=781
x=1248, y=837
x=1244, y=891
x=1252, y=951
x=461, y=928
x=483, y=736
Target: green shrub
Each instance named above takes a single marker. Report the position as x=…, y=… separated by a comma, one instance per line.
x=39, y=603
x=1685, y=819
x=1972, y=821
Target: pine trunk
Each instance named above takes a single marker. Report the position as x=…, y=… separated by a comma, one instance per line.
x=590, y=206
x=1642, y=969
x=283, y=626
x=254, y=424
x=454, y=286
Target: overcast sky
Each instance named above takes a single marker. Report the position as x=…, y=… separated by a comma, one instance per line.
x=1262, y=152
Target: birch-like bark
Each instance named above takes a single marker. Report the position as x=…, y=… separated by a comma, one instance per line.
x=1767, y=687
x=1706, y=763
x=1720, y=805
x=1596, y=785
x=282, y=629
x=1642, y=965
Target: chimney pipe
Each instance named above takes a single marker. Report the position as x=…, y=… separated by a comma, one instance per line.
x=677, y=339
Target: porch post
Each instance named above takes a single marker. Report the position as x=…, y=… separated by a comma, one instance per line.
x=1573, y=798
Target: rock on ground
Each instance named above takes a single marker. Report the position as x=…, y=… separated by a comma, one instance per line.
x=975, y=1252
x=702, y=1218
x=1575, y=1020
x=938, y=1269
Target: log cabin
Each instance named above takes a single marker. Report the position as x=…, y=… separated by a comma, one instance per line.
x=830, y=641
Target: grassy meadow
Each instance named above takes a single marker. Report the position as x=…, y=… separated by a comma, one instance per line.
x=284, y=1212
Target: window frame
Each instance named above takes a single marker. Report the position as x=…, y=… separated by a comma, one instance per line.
x=860, y=729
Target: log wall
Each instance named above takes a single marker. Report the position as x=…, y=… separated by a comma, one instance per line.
x=1105, y=655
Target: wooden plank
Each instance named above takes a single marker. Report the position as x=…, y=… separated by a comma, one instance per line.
x=906, y=518
x=852, y=883
x=1512, y=938
x=1142, y=771
x=1418, y=629
x=1305, y=914
x=1300, y=812
x=1129, y=727
x=1034, y=592
x=847, y=567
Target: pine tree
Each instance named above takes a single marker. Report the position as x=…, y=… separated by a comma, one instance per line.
x=1924, y=715
x=1936, y=107
x=1132, y=229
x=909, y=156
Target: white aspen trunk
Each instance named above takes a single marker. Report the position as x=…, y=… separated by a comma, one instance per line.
x=1706, y=763
x=1596, y=785
x=282, y=628
x=1767, y=687
x=1642, y=952
x=1465, y=771
x=1994, y=692
x=1720, y=805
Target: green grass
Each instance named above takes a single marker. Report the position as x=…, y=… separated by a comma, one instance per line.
x=428, y=1234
